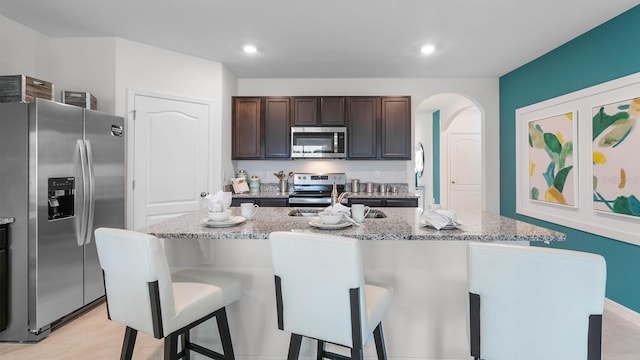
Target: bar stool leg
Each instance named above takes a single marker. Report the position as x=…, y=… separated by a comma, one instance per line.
x=294, y=347
x=378, y=337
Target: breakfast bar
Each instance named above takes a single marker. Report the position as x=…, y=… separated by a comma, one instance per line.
x=425, y=267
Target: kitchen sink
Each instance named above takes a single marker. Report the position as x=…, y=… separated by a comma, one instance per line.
x=373, y=213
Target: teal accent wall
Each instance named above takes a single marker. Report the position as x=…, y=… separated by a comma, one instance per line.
x=436, y=157
x=607, y=52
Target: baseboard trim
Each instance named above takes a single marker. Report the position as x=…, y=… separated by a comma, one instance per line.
x=622, y=311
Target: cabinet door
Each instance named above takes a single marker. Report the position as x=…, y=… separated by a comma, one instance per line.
x=277, y=127
x=4, y=279
x=268, y=202
x=395, y=131
x=401, y=203
x=305, y=111
x=332, y=111
x=367, y=202
x=362, y=120
x=245, y=128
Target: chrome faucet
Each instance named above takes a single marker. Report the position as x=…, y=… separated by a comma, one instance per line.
x=342, y=196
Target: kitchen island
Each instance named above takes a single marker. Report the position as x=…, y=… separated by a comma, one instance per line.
x=427, y=269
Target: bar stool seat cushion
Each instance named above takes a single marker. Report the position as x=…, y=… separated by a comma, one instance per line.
x=378, y=300
x=197, y=292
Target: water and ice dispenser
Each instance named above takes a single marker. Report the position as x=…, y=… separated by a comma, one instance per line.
x=61, y=196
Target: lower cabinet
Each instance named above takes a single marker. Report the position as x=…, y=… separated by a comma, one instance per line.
x=4, y=278
x=384, y=202
x=262, y=202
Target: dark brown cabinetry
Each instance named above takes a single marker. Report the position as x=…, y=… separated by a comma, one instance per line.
x=306, y=111
x=261, y=128
x=379, y=128
x=362, y=127
x=395, y=128
x=319, y=111
x=263, y=202
x=277, y=125
x=245, y=128
x=384, y=202
x=4, y=278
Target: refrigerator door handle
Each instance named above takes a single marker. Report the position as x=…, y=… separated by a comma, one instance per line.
x=92, y=192
x=85, y=193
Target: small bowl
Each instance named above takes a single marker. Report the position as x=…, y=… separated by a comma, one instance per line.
x=329, y=218
x=219, y=215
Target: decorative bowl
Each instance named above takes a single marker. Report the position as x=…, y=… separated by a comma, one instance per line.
x=329, y=218
x=219, y=215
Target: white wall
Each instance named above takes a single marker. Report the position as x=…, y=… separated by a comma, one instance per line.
x=223, y=146
x=147, y=68
x=85, y=65
x=482, y=91
x=24, y=51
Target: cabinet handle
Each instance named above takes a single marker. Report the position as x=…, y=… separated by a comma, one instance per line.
x=453, y=182
x=36, y=82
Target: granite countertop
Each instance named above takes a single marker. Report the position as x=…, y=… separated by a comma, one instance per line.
x=6, y=220
x=400, y=224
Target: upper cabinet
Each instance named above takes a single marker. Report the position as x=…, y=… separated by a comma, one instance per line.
x=319, y=111
x=378, y=127
x=395, y=128
x=332, y=111
x=362, y=127
x=246, y=128
x=261, y=128
x=277, y=128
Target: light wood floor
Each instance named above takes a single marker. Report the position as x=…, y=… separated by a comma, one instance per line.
x=92, y=336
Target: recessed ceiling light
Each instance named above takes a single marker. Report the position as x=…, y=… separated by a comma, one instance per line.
x=427, y=49
x=250, y=49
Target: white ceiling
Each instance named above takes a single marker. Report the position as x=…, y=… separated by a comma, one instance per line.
x=332, y=38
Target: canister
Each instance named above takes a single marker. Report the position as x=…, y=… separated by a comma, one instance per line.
x=242, y=174
x=254, y=184
x=355, y=186
x=369, y=187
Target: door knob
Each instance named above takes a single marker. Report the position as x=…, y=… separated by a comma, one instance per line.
x=453, y=182
x=204, y=194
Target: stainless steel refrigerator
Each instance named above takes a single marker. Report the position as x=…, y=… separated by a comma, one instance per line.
x=61, y=176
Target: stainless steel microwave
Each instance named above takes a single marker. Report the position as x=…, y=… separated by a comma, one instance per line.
x=318, y=142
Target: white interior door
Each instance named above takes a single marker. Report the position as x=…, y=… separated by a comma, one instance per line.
x=465, y=171
x=171, y=161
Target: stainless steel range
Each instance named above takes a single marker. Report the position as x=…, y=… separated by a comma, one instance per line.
x=315, y=189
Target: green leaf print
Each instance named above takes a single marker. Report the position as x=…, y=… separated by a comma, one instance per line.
x=567, y=150
x=552, y=143
x=601, y=121
x=561, y=178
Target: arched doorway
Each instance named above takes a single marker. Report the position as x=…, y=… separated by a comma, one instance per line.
x=449, y=128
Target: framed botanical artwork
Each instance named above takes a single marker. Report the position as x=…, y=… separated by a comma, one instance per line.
x=552, y=161
x=615, y=147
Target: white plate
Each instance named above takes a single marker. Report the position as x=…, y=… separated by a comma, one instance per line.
x=341, y=225
x=231, y=221
x=424, y=222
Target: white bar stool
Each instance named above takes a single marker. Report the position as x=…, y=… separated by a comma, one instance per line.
x=321, y=294
x=142, y=295
x=535, y=303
